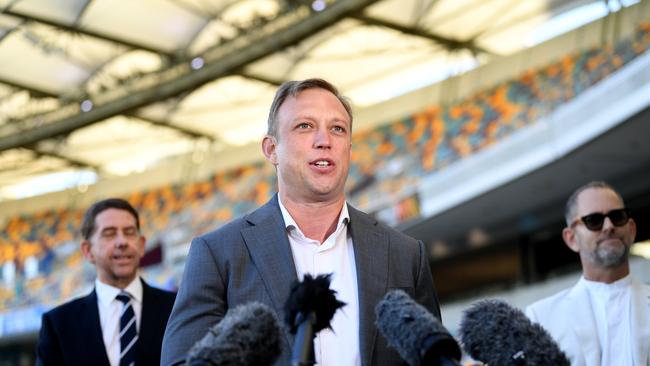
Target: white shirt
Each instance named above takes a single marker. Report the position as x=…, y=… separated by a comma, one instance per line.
x=109, y=314
x=611, y=303
x=338, y=346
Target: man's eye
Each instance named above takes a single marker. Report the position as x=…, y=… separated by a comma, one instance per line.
x=108, y=234
x=338, y=129
x=303, y=125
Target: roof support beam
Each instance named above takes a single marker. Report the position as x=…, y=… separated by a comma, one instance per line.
x=69, y=160
x=167, y=124
x=86, y=32
x=82, y=11
x=260, y=78
x=449, y=43
x=223, y=59
x=41, y=92
x=33, y=90
x=7, y=33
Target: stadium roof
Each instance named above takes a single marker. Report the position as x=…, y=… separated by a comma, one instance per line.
x=92, y=89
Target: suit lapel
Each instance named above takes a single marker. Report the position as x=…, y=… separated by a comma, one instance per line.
x=584, y=324
x=270, y=251
x=268, y=245
x=640, y=322
x=95, y=340
x=371, y=259
x=147, y=324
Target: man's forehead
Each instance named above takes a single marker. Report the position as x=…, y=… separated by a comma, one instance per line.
x=310, y=97
x=593, y=199
x=114, y=217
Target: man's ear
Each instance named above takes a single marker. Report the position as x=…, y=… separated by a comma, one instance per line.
x=633, y=228
x=85, y=250
x=570, y=239
x=269, y=144
x=141, y=245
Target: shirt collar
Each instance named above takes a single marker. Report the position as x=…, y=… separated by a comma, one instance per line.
x=290, y=223
x=601, y=287
x=107, y=293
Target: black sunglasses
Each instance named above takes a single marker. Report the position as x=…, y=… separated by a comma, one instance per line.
x=595, y=221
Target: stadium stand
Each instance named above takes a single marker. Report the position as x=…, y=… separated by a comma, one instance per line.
x=42, y=267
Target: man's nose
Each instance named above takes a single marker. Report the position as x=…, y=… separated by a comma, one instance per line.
x=608, y=225
x=322, y=139
x=120, y=240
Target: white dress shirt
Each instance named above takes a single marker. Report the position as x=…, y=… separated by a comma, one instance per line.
x=338, y=346
x=611, y=304
x=109, y=314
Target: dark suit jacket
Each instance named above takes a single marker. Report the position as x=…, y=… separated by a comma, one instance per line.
x=72, y=335
x=250, y=259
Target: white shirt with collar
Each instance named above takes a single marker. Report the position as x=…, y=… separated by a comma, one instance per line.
x=575, y=319
x=338, y=346
x=109, y=314
x=611, y=303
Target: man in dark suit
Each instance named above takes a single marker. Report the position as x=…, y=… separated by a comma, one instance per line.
x=307, y=228
x=122, y=321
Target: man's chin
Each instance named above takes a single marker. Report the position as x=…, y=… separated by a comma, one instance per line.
x=612, y=257
x=125, y=273
x=324, y=194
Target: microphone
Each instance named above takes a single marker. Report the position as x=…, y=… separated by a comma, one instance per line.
x=308, y=310
x=495, y=333
x=414, y=332
x=249, y=335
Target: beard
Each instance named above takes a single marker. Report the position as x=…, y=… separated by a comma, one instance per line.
x=610, y=256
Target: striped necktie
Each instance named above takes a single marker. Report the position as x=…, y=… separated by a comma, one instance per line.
x=128, y=331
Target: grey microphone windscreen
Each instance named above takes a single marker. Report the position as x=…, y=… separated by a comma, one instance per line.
x=414, y=332
x=495, y=333
x=249, y=335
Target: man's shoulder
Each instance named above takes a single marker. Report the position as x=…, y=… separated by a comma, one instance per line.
x=69, y=308
x=641, y=289
x=159, y=293
x=368, y=220
x=234, y=226
x=548, y=304
x=227, y=231
x=636, y=282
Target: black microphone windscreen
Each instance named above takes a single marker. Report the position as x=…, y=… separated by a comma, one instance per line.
x=414, y=332
x=312, y=295
x=495, y=333
x=249, y=335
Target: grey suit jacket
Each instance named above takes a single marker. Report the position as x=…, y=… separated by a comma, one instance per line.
x=569, y=319
x=250, y=259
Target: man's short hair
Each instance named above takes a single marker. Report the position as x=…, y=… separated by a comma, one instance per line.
x=292, y=89
x=571, y=205
x=88, y=224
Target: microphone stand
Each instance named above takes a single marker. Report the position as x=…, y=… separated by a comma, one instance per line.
x=303, y=348
x=440, y=349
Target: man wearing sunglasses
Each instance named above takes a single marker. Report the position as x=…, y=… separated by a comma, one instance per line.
x=605, y=318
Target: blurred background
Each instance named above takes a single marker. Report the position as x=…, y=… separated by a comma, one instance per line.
x=474, y=122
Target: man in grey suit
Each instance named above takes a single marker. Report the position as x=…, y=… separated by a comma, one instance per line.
x=307, y=228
